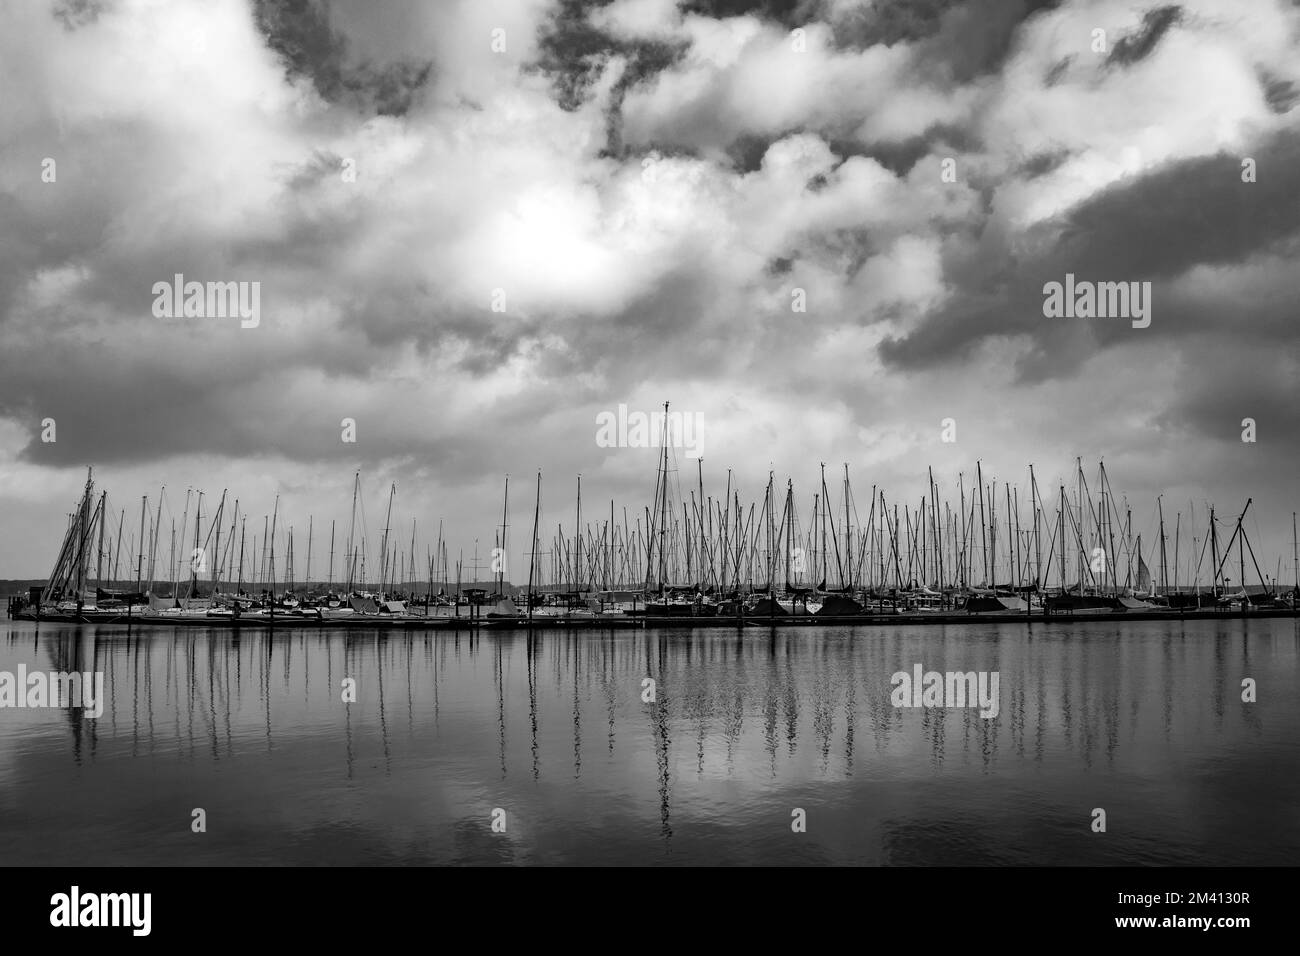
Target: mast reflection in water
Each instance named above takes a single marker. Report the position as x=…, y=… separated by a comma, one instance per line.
x=562, y=732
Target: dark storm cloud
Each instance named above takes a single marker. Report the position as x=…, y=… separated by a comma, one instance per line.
x=1196, y=212
x=1057, y=71
x=957, y=40
x=789, y=13
x=78, y=13
x=123, y=410
x=940, y=48
x=573, y=53
x=899, y=156
x=300, y=32
x=1281, y=95
x=644, y=61
x=1255, y=382
x=20, y=250
x=976, y=37
x=1043, y=163
x=665, y=332
x=1155, y=24
x=131, y=409
x=890, y=22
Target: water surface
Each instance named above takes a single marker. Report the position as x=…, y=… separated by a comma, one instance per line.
x=1143, y=720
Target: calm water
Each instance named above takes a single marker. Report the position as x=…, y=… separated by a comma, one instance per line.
x=1145, y=721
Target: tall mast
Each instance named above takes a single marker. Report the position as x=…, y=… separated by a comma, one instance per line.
x=153, y=548
x=239, y=582
x=1240, y=546
x=356, y=487
x=1035, y=500
x=704, y=551
x=330, y=554
x=505, y=549
x=1060, y=516
x=216, y=545
x=1295, y=563
x=234, y=523
x=824, y=504
x=117, y=546
x=848, y=543
x=99, y=549
x=984, y=542
x=194, y=568
x=1178, y=527
x=787, y=526
x=771, y=533
x=275, y=514
x=83, y=532
x=384, y=570
x=139, y=571
x=961, y=489
x=934, y=527
x=1214, y=552
x=663, y=505
x=1080, y=500
x=1013, y=549
x=1164, y=559
x=993, y=533
x=532, y=549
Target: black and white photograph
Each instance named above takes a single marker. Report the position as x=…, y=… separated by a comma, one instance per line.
x=694, y=434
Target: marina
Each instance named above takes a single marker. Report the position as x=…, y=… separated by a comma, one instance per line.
x=997, y=553
x=630, y=619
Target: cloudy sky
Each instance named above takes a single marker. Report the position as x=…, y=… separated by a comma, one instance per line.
x=640, y=187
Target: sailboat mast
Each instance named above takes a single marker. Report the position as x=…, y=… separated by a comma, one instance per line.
x=1295, y=563
x=239, y=582
x=1038, y=546
x=194, y=552
x=704, y=541
x=139, y=571
x=153, y=545
x=99, y=548
x=117, y=545
x=505, y=551
x=1178, y=527
x=356, y=487
x=1060, y=517
x=848, y=542
x=172, y=557
x=1214, y=552
x=532, y=549
x=663, y=505
x=275, y=514
x=384, y=570
x=216, y=545
x=984, y=542
x=1164, y=558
